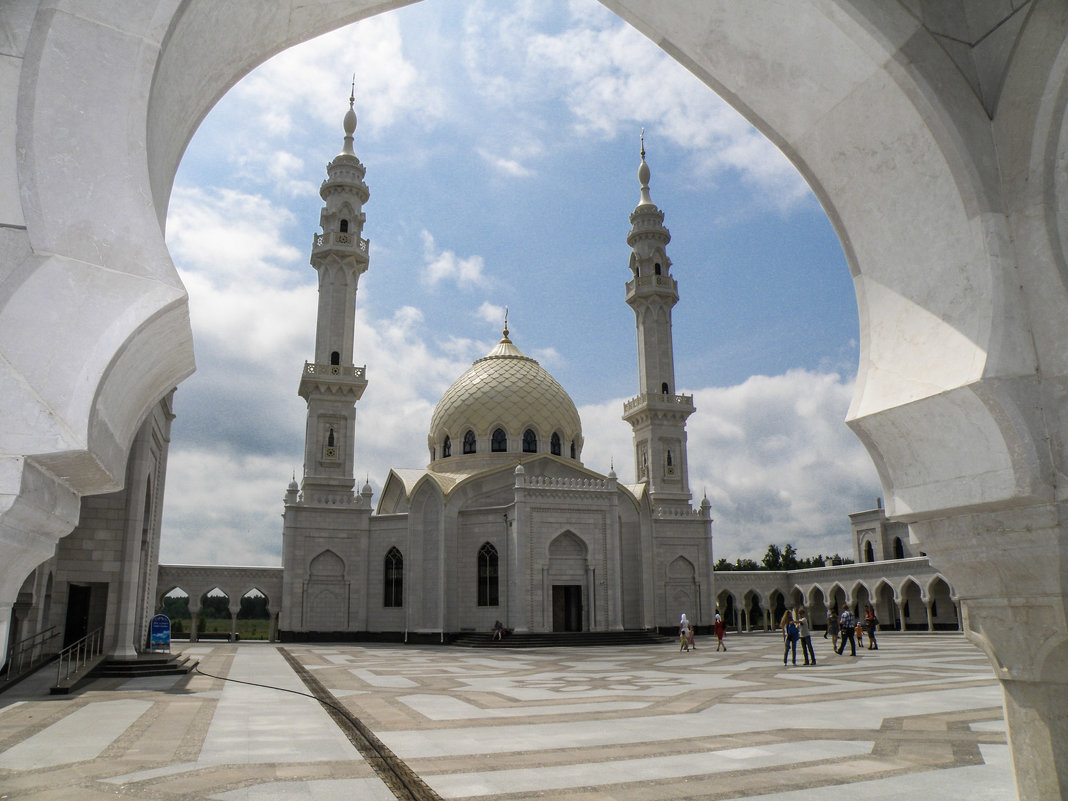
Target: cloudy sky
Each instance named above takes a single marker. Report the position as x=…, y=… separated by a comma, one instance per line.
x=501, y=141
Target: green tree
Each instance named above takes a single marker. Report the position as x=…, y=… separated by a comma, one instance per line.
x=773, y=558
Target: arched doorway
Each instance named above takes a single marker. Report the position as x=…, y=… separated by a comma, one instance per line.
x=567, y=583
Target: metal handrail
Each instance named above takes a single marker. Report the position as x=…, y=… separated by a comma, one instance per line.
x=29, y=651
x=77, y=654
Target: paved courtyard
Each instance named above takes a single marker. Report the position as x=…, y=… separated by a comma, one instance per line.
x=919, y=718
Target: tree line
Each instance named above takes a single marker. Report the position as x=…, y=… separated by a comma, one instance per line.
x=785, y=558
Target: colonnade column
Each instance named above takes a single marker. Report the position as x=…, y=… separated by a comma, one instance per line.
x=1009, y=570
x=927, y=603
x=900, y=604
x=193, y=614
x=233, y=624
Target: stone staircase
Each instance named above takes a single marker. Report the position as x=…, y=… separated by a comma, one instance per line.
x=145, y=665
x=561, y=639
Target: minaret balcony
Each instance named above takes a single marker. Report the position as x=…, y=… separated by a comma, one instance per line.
x=332, y=379
x=653, y=285
x=337, y=240
x=659, y=402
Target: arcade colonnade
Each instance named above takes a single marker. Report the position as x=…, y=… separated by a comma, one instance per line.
x=234, y=582
x=933, y=134
x=905, y=594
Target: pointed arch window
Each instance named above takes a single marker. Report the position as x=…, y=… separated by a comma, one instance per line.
x=656, y=268
x=469, y=442
x=899, y=549
x=530, y=441
x=869, y=552
x=664, y=388
x=499, y=442
x=446, y=447
x=393, y=579
x=488, y=587
x=335, y=357
x=330, y=438
x=572, y=449
x=344, y=226
x=554, y=444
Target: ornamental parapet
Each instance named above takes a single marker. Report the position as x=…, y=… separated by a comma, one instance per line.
x=659, y=400
x=680, y=513
x=338, y=238
x=664, y=282
x=334, y=370
x=553, y=483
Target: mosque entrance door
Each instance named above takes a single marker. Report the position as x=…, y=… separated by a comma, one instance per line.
x=567, y=607
x=86, y=606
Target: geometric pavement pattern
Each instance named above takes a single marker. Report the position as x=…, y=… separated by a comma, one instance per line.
x=920, y=717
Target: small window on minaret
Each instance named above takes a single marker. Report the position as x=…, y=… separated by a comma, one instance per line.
x=664, y=388
x=669, y=458
x=446, y=448
x=656, y=268
x=344, y=226
x=335, y=358
x=330, y=438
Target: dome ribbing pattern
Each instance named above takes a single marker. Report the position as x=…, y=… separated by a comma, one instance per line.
x=509, y=390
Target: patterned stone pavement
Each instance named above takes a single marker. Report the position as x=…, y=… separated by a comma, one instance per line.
x=921, y=717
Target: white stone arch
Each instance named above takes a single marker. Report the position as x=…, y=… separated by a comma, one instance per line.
x=946, y=197
x=325, y=606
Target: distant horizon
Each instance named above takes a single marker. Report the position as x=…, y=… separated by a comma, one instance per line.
x=502, y=148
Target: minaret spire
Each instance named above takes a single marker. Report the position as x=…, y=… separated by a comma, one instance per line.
x=332, y=384
x=657, y=415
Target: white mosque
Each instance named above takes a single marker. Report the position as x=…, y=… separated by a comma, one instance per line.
x=505, y=522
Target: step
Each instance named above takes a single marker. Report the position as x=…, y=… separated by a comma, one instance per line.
x=146, y=665
x=560, y=639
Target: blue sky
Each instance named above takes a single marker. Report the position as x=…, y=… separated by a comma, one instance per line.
x=501, y=141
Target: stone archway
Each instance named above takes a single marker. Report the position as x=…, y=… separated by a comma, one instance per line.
x=944, y=189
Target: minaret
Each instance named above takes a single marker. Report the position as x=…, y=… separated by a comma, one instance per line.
x=332, y=384
x=657, y=415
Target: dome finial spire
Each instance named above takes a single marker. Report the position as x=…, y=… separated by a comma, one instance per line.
x=506, y=323
x=643, y=176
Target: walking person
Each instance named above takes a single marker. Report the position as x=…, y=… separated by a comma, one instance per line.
x=846, y=624
x=832, y=629
x=789, y=635
x=871, y=623
x=684, y=630
x=806, y=637
x=720, y=629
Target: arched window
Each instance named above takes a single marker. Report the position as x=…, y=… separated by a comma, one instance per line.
x=530, y=442
x=554, y=444
x=446, y=448
x=344, y=226
x=393, y=578
x=664, y=388
x=335, y=358
x=869, y=552
x=487, y=576
x=656, y=268
x=899, y=549
x=669, y=458
x=469, y=442
x=330, y=438
x=572, y=449
x=499, y=442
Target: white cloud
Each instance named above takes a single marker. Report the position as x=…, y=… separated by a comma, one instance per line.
x=307, y=81
x=612, y=79
x=774, y=456
x=505, y=165
x=444, y=265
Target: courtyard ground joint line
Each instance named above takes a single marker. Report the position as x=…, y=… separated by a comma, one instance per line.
x=402, y=781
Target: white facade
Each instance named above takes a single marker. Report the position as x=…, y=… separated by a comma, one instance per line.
x=505, y=523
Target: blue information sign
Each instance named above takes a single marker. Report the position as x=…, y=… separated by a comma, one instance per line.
x=159, y=636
